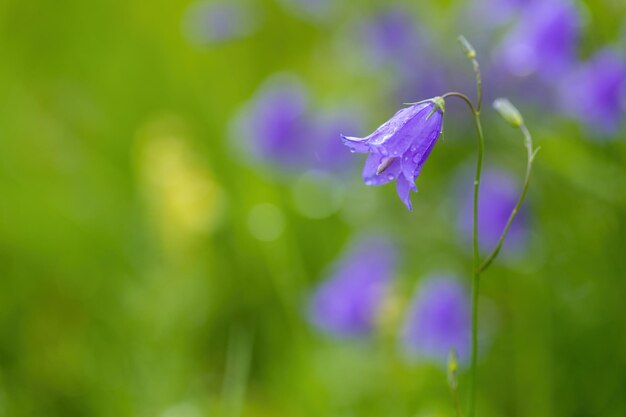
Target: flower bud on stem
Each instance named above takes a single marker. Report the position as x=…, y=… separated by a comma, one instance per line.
x=453, y=367
x=470, y=53
x=514, y=118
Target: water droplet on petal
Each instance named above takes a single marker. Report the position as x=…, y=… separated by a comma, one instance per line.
x=413, y=148
x=352, y=151
x=390, y=177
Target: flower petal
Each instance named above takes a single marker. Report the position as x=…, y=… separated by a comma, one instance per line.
x=404, y=187
x=396, y=135
x=370, y=176
x=355, y=144
x=416, y=156
x=417, y=133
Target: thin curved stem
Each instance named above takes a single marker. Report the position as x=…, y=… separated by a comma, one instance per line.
x=476, y=251
x=529, y=165
x=470, y=53
x=463, y=97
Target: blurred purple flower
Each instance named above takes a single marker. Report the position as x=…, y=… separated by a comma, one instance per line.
x=393, y=39
x=206, y=23
x=270, y=127
x=497, y=12
x=543, y=41
x=278, y=127
x=595, y=92
x=438, y=321
x=399, y=148
x=498, y=196
x=390, y=35
x=327, y=153
x=346, y=304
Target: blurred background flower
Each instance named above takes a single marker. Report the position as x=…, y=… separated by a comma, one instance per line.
x=595, y=93
x=181, y=193
x=347, y=302
x=208, y=23
x=438, y=321
x=543, y=41
x=273, y=125
x=499, y=192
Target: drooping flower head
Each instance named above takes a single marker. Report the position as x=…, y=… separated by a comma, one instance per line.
x=498, y=195
x=346, y=304
x=544, y=40
x=438, y=321
x=399, y=148
x=595, y=92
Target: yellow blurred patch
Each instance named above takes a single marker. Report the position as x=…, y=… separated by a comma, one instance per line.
x=183, y=198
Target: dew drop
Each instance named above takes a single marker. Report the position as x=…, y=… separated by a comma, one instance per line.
x=413, y=148
x=352, y=151
x=390, y=177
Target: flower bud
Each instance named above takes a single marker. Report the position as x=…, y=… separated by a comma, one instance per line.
x=469, y=50
x=453, y=367
x=508, y=112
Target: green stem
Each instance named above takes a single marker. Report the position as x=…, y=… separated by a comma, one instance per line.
x=470, y=53
x=476, y=276
x=476, y=262
x=479, y=86
x=528, y=142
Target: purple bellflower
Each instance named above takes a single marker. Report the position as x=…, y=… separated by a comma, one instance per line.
x=498, y=195
x=438, y=321
x=399, y=148
x=347, y=303
x=595, y=92
x=544, y=40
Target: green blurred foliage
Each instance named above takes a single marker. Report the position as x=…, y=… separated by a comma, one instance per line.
x=135, y=282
